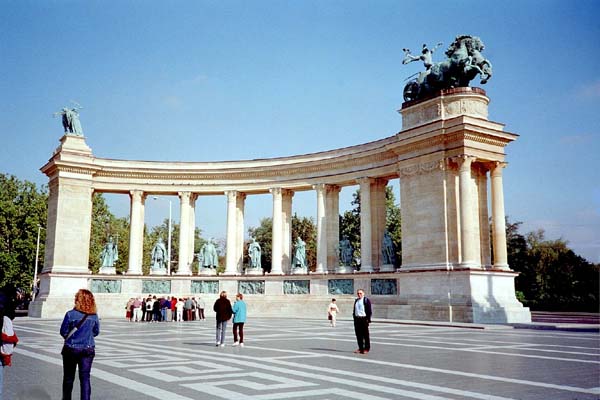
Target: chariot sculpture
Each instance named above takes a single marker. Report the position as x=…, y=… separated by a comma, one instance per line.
x=463, y=64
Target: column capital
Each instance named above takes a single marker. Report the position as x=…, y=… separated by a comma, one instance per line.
x=138, y=195
x=287, y=192
x=231, y=194
x=276, y=191
x=319, y=187
x=496, y=168
x=333, y=188
x=464, y=161
x=184, y=195
x=364, y=180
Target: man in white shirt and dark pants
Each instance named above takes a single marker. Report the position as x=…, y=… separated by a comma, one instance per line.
x=362, y=318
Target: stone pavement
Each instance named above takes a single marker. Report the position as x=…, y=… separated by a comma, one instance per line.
x=307, y=359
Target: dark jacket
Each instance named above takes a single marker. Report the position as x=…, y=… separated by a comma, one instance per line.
x=368, y=308
x=223, y=309
x=84, y=336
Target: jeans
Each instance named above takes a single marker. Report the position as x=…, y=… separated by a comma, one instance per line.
x=238, y=326
x=1, y=380
x=73, y=358
x=221, y=329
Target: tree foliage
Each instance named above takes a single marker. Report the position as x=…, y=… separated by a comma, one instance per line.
x=350, y=224
x=23, y=208
x=303, y=227
x=104, y=225
x=552, y=277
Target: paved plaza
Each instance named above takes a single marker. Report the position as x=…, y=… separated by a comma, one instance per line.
x=307, y=359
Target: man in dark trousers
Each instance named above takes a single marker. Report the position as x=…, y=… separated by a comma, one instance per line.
x=362, y=318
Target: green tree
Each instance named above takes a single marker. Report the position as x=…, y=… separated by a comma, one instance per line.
x=350, y=223
x=551, y=276
x=301, y=226
x=23, y=208
x=104, y=225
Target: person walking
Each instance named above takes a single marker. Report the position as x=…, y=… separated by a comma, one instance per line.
x=8, y=341
x=332, y=311
x=239, y=319
x=223, y=310
x=201, y=306
x=79, y=327
x=362, y=318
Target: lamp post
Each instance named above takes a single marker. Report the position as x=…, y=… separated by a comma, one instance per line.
x=35, y=268
x=168, y=240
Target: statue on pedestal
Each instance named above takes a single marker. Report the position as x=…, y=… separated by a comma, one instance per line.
x=387, y=249
x=346, y=251
x=463, y=64
x=108, y=256
x=70, y=119
x=254, y=253
x=159, y=257
x=210, y=258
x=299, y=260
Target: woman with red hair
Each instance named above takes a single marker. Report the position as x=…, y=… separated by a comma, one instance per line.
x=79, y=327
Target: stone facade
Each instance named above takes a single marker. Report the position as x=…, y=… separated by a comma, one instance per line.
x=443, y=157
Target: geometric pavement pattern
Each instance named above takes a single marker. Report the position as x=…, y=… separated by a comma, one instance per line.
x=308, y=359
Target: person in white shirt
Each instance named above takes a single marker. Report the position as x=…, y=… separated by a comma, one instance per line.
x=332, y=311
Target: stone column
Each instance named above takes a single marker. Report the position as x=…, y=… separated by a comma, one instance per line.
x=332, y=202
x=136, y=232
x=192, y=226
x=231, y=256
x=240, y=202
x=498, y=217
x=378, y=218
x=184, y=230
x=484, y=219
x=321, y=229
x=366, y=261
x=286, y=238
x=467, y=228
x=276, y=244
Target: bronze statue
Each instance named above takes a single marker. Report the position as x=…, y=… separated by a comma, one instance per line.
x=463, y=64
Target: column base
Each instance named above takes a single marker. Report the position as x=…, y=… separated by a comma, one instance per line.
x=207, y=271
x=253, y=271
x=108, y=271
x=160, y=271
x=344, y=269
x=365, y=269
x=387, y=268
x=299, y=271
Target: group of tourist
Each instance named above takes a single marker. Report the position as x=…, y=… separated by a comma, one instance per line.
x=164, y=309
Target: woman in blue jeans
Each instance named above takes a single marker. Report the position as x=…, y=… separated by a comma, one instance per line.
x=79, y=327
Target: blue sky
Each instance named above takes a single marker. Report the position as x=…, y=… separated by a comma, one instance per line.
x=228, y=80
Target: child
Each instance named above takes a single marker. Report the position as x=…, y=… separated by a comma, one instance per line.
x=332, y=311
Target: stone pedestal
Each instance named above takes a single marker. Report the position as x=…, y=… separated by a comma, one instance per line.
x=254, y=271
x=344, y=269
x=107, y=271
x=207, y=271
x=161, y=271
x=387, y=268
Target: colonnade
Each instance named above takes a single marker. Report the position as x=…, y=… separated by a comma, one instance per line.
x=474, y=241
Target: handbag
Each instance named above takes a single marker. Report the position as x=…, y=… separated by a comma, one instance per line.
x=329, y=317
